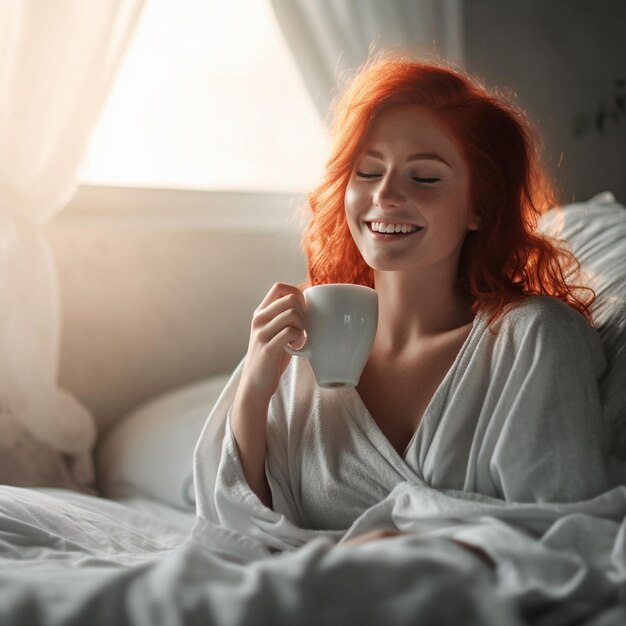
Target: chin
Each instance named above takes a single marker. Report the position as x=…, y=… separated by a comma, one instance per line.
x=386, y=263
x=388, y=267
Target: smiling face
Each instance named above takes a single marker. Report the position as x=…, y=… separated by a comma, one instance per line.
x=407, y=201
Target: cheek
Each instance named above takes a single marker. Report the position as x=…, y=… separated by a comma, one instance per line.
x=351, y=201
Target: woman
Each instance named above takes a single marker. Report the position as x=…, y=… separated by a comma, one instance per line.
x=483, y=374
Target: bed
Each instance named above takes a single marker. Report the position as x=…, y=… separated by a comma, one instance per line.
x=134, y=555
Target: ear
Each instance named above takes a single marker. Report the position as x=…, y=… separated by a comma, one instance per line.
x=473, y=221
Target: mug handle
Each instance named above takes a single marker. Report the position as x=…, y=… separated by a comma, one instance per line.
x=305, y=350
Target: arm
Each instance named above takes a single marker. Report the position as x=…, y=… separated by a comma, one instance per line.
x=548, y=441
x=278, y=321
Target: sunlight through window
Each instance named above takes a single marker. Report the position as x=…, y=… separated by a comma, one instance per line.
x=208, y=97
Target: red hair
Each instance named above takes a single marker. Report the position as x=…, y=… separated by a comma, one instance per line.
x=506, y=259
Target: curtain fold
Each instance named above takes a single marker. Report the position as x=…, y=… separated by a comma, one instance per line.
x=57, y=61
x=330, y=37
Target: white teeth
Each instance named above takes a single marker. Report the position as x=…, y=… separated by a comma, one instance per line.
x=382, y=227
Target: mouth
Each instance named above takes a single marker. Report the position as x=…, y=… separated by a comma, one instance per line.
x=385, y=228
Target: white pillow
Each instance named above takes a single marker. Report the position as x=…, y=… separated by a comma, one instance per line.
x=149, y=452
x=596, y=232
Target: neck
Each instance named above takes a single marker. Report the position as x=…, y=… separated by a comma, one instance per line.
x=414, y=307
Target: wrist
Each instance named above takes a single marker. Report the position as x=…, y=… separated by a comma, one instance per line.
x=250, y=407
x=249, y=397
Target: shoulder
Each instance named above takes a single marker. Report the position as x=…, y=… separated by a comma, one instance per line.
x=544, y=308
x=542, y=313
x=547, y=322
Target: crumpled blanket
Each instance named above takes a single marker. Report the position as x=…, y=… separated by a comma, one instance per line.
x=552, y=563
x=67, y=558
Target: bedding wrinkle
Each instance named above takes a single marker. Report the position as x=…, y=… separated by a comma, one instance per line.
x=77, y=530
x=564, y=563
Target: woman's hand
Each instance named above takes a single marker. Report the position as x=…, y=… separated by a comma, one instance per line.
x=277, y=321
x=384, y=533
x=374, y=535
x=476, y=551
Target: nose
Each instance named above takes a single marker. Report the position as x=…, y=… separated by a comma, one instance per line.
x=389, y=192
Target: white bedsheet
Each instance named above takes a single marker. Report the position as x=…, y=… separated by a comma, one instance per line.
x=72, y=559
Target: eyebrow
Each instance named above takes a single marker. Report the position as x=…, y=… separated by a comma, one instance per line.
x=417, y=156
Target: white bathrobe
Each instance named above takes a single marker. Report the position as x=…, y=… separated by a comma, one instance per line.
x=517, y=417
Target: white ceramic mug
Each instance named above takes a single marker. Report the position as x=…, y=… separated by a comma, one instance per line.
x=341, y=321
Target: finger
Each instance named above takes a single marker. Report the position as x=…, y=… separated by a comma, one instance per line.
x=286, y=319
x=284, y=337
x=280, y=290
x=290, y=302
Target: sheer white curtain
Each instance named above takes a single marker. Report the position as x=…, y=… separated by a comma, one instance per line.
x=328, y=37
x=57, y=60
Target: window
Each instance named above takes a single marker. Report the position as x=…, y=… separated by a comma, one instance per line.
x=208, y=98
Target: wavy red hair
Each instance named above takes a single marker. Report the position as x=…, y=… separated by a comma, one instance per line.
x=506, y=259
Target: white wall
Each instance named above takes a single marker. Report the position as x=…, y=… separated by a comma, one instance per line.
x=154, y=299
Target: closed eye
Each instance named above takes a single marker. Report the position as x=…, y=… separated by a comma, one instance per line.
x=426, y=181
x=366, y=175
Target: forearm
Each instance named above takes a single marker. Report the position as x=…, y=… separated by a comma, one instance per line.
x=276, y=322
x=248, y=424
